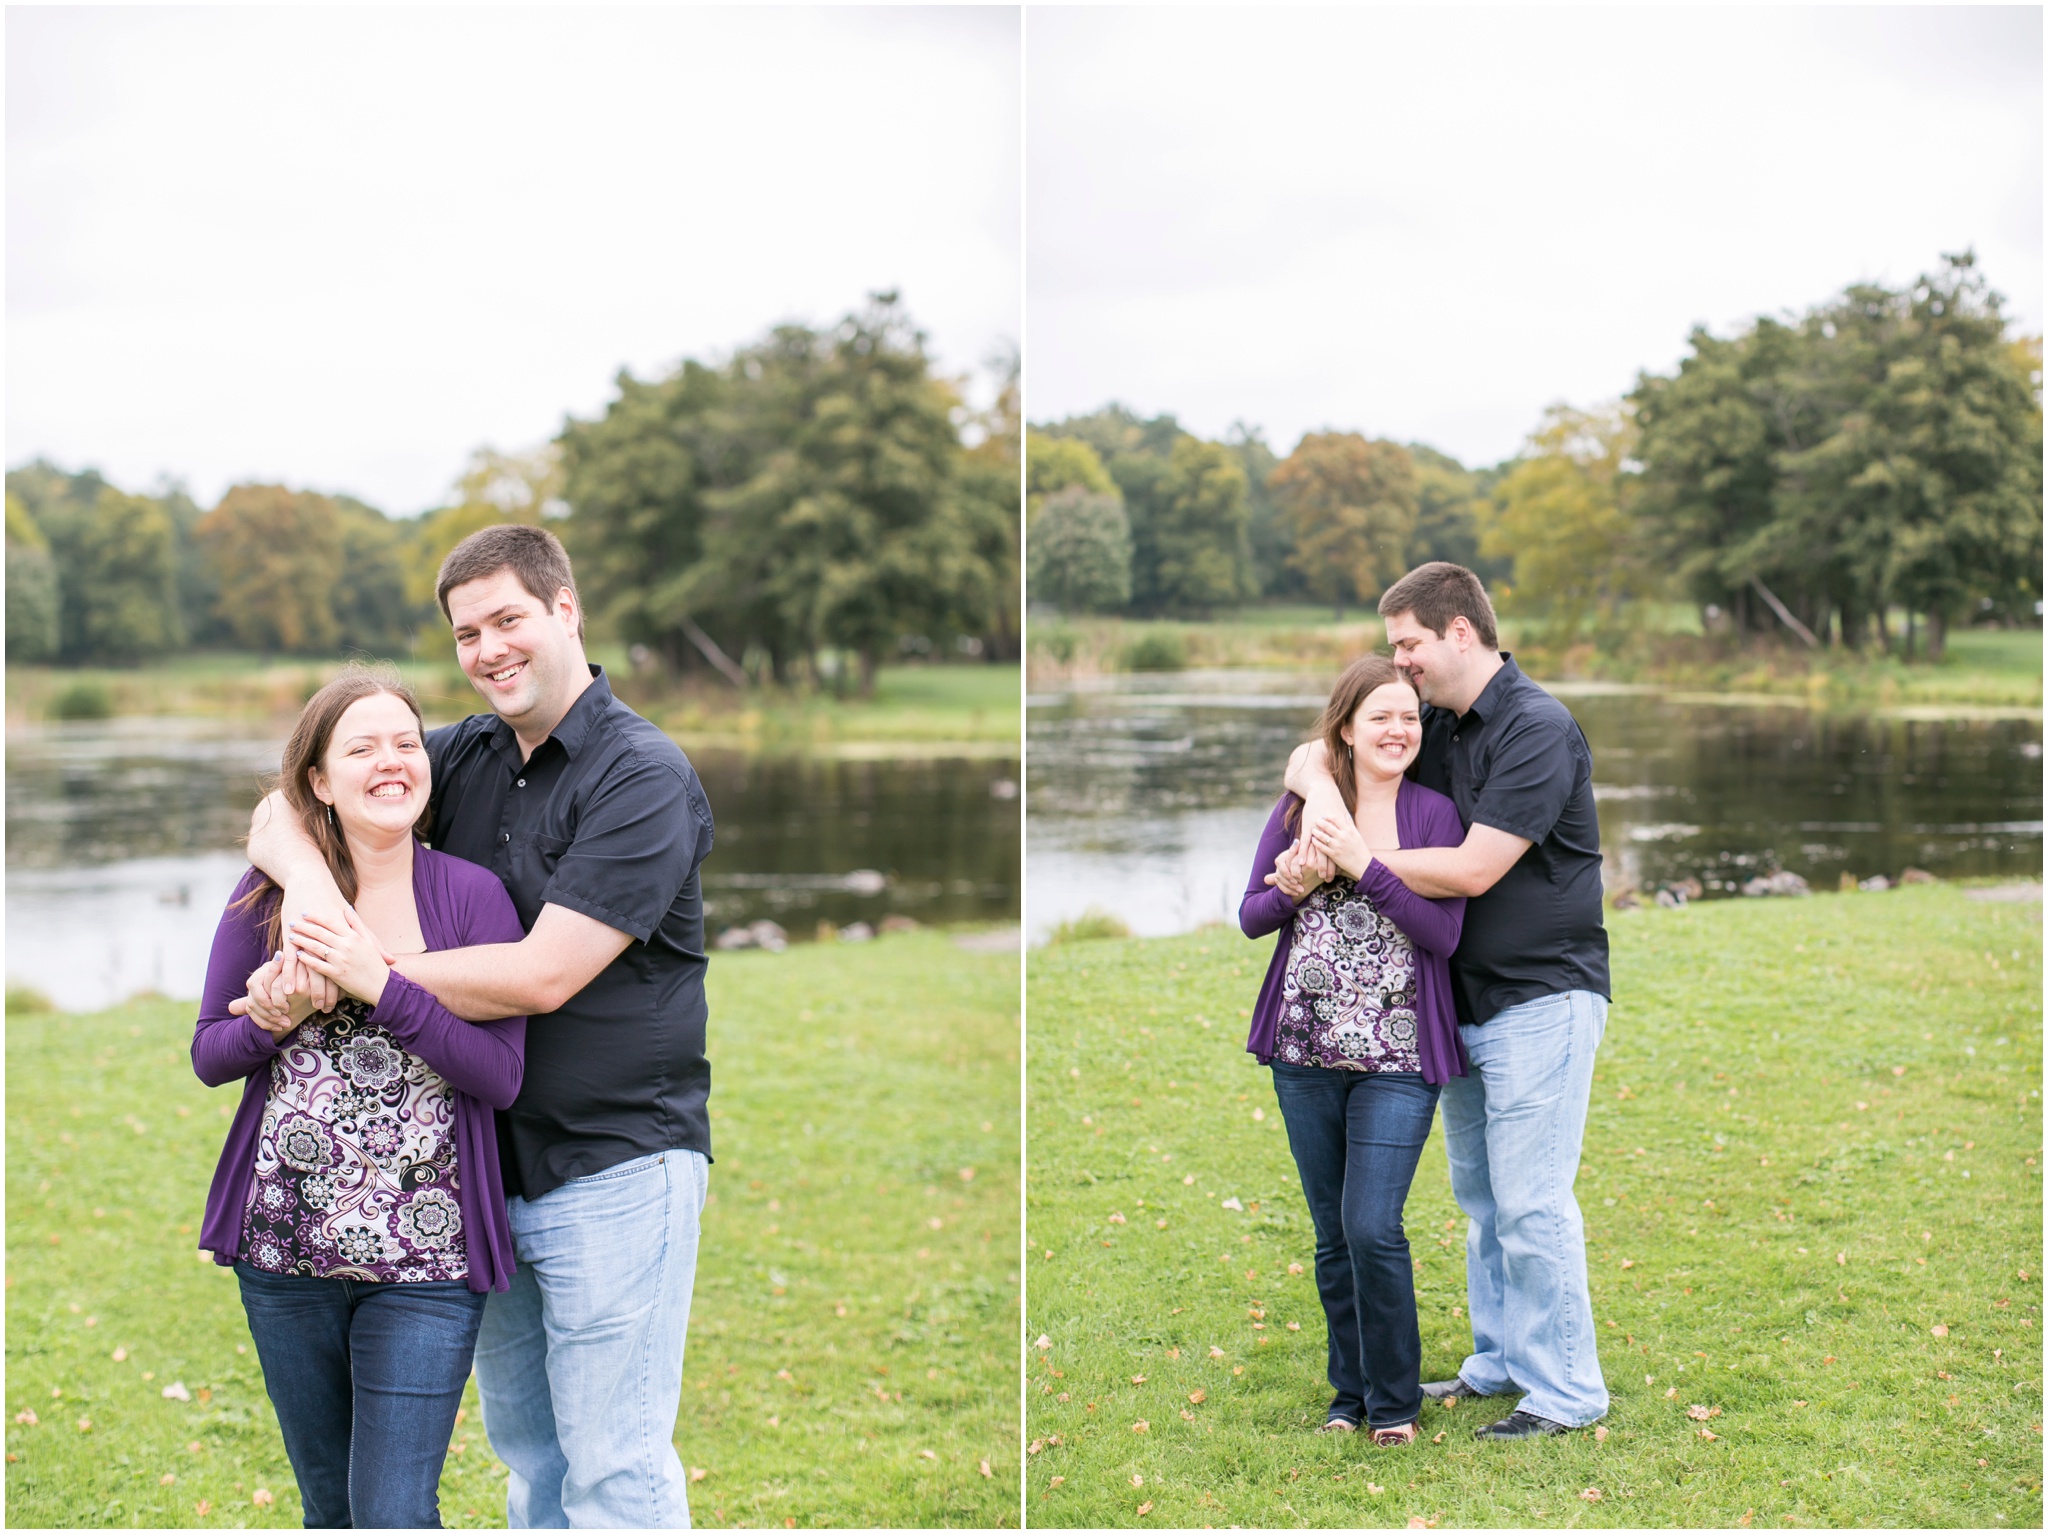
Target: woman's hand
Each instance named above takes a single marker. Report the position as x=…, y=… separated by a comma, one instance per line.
x=351, y=957
x=1338, y=838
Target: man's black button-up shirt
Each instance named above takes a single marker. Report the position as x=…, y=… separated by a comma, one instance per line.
x=1517, y=761
x=606, y=818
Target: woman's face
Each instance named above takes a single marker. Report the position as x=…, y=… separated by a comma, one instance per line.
x=375, y=770
x=1386, y=731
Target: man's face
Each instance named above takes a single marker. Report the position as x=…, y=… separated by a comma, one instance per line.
x=520, y=653
x=1435, y=665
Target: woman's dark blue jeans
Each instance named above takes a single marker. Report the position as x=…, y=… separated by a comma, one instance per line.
x=366, y=1379
x=1356, y=1137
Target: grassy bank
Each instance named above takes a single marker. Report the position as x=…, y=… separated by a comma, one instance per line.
x=970, y=709
x=1813, y=1208
x=1984, y=668
x=852, y=1355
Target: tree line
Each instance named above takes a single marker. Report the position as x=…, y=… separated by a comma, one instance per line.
x=818, y=494
x=1808, y=476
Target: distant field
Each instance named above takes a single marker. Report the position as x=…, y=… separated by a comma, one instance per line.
x=1812, y=1187
x=970, y=705
x=1983, y=668
x=853, y=1343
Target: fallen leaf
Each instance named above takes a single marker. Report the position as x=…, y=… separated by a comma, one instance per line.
x=120, y=1355
x=202, y=1507
x=1709, y=1435
x=1118, y=1219
x=1939, y=1330
x=85, y=1424
x=1375, y=1490
x=1141, y=1426
x=1702, y=1413
x=1233, y=1204
x=26, y=1417
x=1628, y=1262
x=1671, y=1394
x=1798, y=1403
x=1137, y=1379
x=166, y=1479
x=1237, y=1368
x=1137, y=1480
x=1214, y=1351
x=927, y=1453
x=1043, y=1342
x=1590, y=1494
x=967, y=1174
x=1186, y=1415
x=1294, y=1270
x=986, y=1471
x=1744, y=1521
x=1037, y=1446
x=1294, y=1326
x=1144, y=1508
x=1438, y=1439
x=1599, y=1435
x=1197, y=1397
x=261, y=1497
x=1058, y=1480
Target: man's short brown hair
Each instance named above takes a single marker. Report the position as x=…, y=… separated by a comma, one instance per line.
x=1438, y=592
x=533, y=554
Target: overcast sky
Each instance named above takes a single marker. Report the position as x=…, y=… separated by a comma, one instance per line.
x=1429, y=223
x=340, y=248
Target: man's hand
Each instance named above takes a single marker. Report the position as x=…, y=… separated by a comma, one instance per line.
x=1297, y=871
x=349, y=955
x=279, y=846
x=268, y=1004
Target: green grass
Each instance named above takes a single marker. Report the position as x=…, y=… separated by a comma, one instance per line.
x=852, y=1354
x=1814, y=1137
x=950, y=709
x=1984, y=668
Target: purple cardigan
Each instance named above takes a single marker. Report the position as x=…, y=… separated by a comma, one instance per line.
x=1422, y=818
x=460, y=905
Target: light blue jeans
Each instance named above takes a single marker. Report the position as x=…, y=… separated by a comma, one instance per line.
x=1513, y=1128
x=580, y=1363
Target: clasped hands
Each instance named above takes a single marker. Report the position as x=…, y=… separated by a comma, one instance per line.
x=319, y=963
x=1326, y=844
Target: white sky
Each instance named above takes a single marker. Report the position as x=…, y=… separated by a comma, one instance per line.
x=1428, y=224
x=341, y=248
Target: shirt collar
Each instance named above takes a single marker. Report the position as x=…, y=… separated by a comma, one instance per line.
x=575, y=726
x=1494, y=695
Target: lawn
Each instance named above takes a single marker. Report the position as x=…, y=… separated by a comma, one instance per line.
x=1983, y=669
x=852, y=1354
x=1813, y=1209
x=969, y=708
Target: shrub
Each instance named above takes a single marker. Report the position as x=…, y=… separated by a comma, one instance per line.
x=1156, y=650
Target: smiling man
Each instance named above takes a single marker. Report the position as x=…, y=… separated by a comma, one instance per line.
x=598, y=826
x=1531, y=984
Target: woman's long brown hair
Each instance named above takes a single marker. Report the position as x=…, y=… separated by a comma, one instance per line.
x=1361, y=679
x=308, y=749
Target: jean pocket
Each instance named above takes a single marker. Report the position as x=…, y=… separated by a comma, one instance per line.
x=637, y=1167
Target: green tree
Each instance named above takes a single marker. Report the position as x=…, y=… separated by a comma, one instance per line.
x=277, y=554
x=1053, y=464
x=1190, y=531
x=1350, y=505
x=1266, y=528
x=31, y=587
x=989, y=504
x=1565, y=522
x=1081, y=551
x=372, y=608
x=494, y=487
x=117, y=566
x=1453, y=510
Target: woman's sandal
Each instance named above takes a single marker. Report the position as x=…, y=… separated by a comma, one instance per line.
x=1393, y=1437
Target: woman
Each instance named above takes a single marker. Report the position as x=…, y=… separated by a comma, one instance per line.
x=358, y=1196
x=1356, y=1020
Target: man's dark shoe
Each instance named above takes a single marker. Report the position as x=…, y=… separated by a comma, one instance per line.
x=1452, y=1389
x=1522, y=1424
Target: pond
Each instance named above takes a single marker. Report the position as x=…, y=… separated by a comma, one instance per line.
x=1147, y=793
x=121, y=839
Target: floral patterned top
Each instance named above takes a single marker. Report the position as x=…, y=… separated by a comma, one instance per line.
x=355, y=1160
x=1348, y=1000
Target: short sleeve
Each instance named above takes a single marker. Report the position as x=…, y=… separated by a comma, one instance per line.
x=1529, y=781
x=637, y=842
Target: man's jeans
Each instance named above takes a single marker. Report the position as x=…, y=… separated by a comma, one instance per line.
x=365, y=1378
x=1513, y=1129
x=1356, y=1137
x=580, y=1363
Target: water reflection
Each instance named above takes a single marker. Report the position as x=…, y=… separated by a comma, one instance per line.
x=1147, y=793
x=121, y=837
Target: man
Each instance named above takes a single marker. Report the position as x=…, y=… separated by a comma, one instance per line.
x=1531, y=985
x=597, y=824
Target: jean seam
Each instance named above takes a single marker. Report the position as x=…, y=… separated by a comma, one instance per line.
x=648, y=1456
x=1558, y=1193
